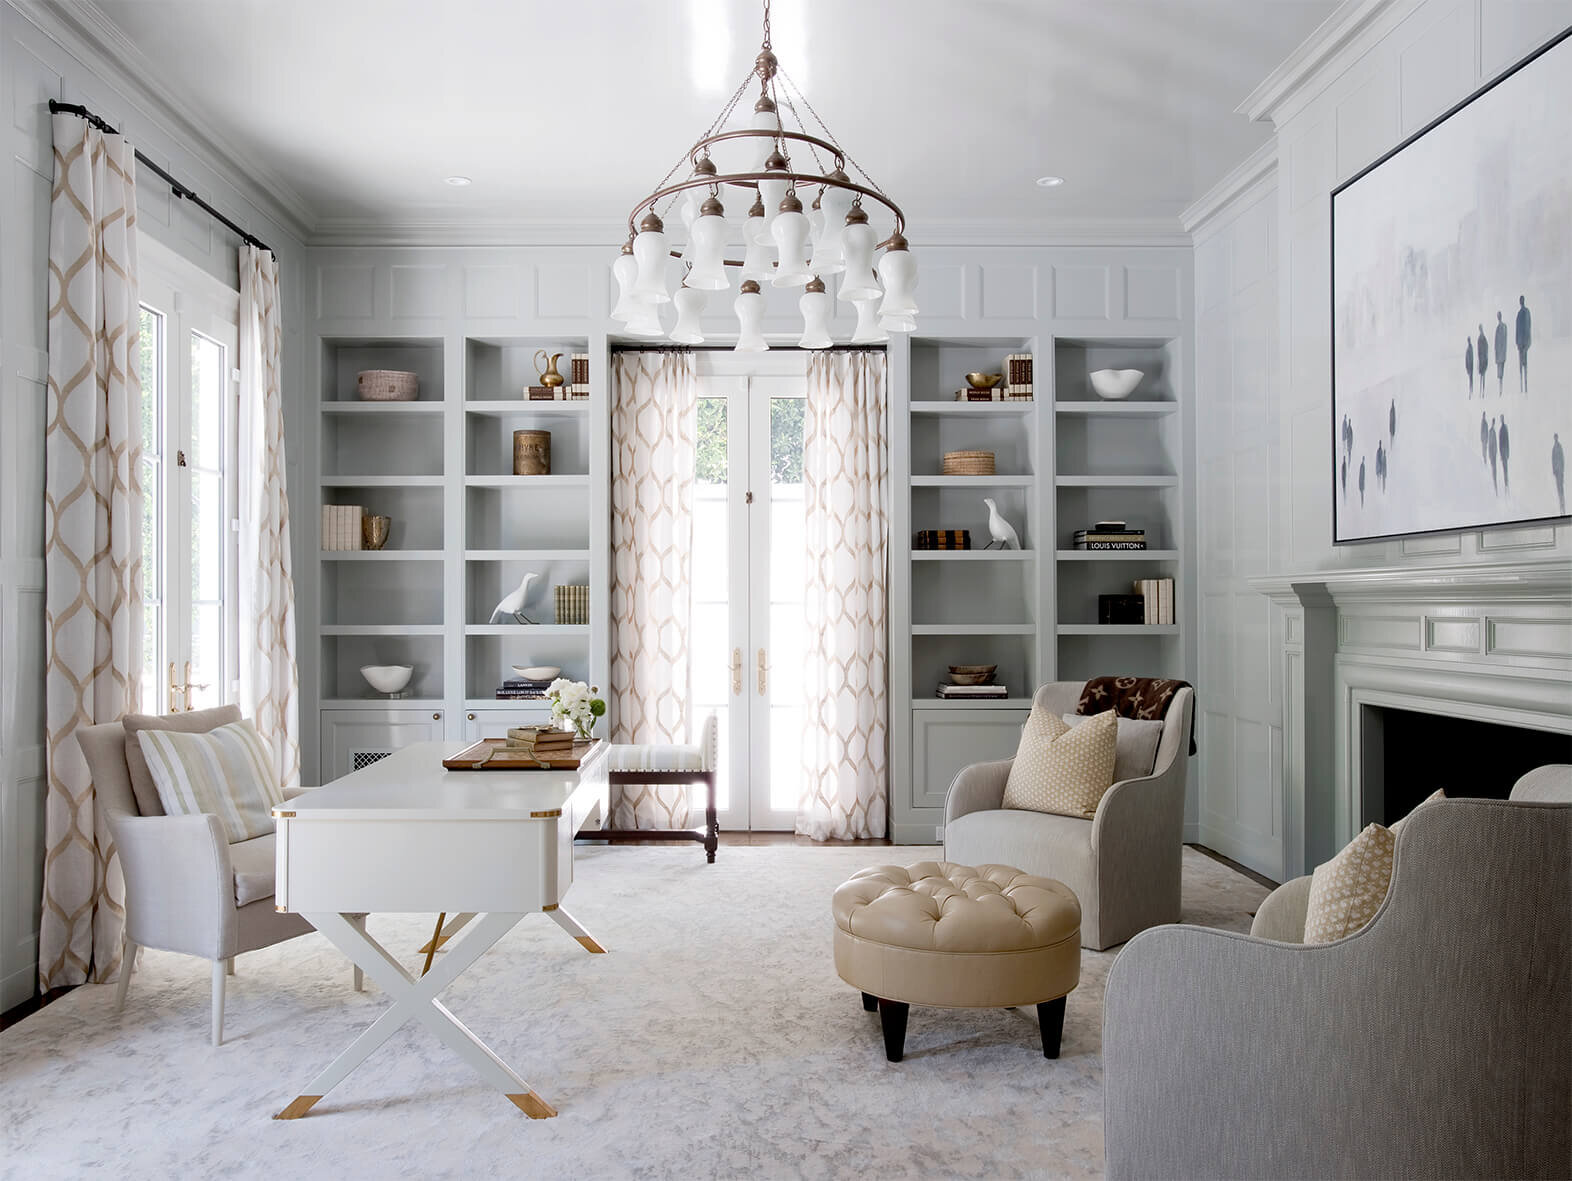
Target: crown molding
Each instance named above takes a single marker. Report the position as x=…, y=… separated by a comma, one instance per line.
x=1351, y=25
x=1252, y=174
x=87, y=33
x=456, y=230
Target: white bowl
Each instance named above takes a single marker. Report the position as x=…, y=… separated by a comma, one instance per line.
x=538, y=672
x=387, y=678
x=1114, y=384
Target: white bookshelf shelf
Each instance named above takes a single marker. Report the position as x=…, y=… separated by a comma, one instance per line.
x=372, y=408
x=1118, y=629
x=1116, y=481
x=381, y=629
x=382, y=481
x=526, y=555
x=500, y=407
x=976, y=409
x=973, y=481
x=525, y=630
x=382, y=701
x=974, y=629
x=973, y=555
x=574, y=480
x=536, y=704
x=382, y=555
x=1117, y=555
x=969, y=703
x=1119, y=409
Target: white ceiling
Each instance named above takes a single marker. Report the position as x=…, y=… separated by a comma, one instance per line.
x=567, y=112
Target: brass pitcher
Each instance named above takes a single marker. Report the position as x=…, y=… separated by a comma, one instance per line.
x=549, y=377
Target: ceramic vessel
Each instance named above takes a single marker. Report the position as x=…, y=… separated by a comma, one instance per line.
x=1114, y=384
x=387, y=678
x=374, y=531
x=532, y=453
x=538, y=672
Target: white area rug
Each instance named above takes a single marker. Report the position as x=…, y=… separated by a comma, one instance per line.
x=715, y=1040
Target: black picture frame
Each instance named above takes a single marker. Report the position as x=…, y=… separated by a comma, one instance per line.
x=1562, y=391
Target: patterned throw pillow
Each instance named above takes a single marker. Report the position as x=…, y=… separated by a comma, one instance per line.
x=1438, y=794
x=1346, y=891
x=1061, y=769
x=226, y=771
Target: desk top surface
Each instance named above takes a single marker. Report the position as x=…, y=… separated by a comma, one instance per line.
x=411, y=783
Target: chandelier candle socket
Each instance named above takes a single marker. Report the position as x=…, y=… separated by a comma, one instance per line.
x=808, y=205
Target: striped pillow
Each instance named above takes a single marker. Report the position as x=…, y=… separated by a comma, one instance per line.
x=226, y=771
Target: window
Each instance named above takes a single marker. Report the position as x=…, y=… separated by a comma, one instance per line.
x=190, y=388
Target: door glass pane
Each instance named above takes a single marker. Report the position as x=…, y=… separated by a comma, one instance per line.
x=207, y=402
x=709, y=650
x=786, y=625
x=208, y=537
x=207, y=656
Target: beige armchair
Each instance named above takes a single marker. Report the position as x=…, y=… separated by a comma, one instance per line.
x=1434, y=1042
x=188, y=889
x=1123, y=864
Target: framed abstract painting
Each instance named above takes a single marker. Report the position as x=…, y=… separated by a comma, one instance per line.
x=1452, y=316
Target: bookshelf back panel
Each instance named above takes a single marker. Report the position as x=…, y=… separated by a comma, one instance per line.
x=963, y=508
x=1080, y=583
x=502, y=369
x=489, y=660
x=1084, y=657
x=527, y=518
x=1075, y=360
x=390, y=592
x=1140, y=508
x=932, y=656
x=974, y=592
x=1010, y=440
x=344, y=656
x=1093, y=445
x=376, y=445
x=414, y=514
x=489, y=581
x=488, y=442
x=939, y=368
x=343, y=360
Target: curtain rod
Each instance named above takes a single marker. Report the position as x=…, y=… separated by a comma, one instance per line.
x=182, y=191
x=726, y=348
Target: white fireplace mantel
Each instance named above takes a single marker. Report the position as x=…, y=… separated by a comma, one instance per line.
x=1492, y=642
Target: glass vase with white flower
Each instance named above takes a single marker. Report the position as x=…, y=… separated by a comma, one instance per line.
x=576, y=703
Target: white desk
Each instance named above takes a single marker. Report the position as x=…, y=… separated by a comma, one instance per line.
x=406, y=836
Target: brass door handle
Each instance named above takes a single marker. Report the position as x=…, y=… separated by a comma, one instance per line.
x=736, y=672
x=764, y=669
x=189, y=686
x=174, y=688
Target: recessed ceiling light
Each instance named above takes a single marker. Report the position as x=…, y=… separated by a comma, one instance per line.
x=458, y=182
x=1050, y=182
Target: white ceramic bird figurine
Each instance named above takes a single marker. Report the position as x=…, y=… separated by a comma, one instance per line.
x=1003, y=533
x=513, y=602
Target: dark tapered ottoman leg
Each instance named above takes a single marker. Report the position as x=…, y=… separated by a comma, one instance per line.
x=892, y=1015
x=1050, y=1015
x=870, y=1003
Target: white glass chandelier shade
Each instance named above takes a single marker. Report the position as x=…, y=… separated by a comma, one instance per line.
x=828, y=258
x=857, y=244
x=815, y=305
x=625, y=270
x=651, y=251
x=645, y=320
x=689, y=302
x=757, y=262
x=898, y=270
x=868, y=330
x=898, y=323
x=765, y=118
x=790, y=232
x=707, y=251
x=749, y=306
x=772, y=193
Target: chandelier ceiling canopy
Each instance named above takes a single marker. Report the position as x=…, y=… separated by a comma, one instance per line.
x=783, y=194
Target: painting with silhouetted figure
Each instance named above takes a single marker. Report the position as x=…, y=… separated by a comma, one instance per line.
x=1455, y=250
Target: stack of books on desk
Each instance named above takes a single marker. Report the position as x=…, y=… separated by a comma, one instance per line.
x=951, y=692
x=538, y=742
x=522, y=689
x=1109, y=535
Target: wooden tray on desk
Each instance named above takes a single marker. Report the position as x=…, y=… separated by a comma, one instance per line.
x=474, y=758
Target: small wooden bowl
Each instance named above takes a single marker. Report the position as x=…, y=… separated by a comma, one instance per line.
x=972, y=674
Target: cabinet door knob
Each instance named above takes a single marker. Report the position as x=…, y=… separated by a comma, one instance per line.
x=436, y=717
x=470, y=717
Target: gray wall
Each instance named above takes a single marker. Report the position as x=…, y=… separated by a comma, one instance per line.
x=36, y=66
x=1264, y=383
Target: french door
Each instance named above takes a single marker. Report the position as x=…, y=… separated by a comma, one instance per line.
x=748, y=580
x=190, y=393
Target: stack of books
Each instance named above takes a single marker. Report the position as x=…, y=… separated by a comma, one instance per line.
x=997, y=394
x=522, y=689
x=341, y=526
x=1109, y=535
x=538, y=742
x=942, y=539
x=578, y=376
x=1018, y=377
x=572, y=603
x=1158, y=599
x=949, y=691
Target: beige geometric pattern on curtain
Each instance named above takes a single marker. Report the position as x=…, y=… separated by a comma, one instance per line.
x=845, y=704
x=653, y=427
x=269, y=680
x=93, y=543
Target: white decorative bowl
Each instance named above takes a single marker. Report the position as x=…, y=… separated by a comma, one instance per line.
x=538, y=672
x=387, y=678
x=1114, y=384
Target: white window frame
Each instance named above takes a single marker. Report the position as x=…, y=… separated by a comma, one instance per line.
x=191, y=301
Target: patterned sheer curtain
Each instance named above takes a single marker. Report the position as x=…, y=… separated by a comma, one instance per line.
x=93, y=542
x=845, y=701
x=653, y=427
x=269, y=681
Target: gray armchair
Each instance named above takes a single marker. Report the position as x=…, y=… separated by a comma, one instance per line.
x=1123, y=864
x=1434, y=1042
x=188, y=889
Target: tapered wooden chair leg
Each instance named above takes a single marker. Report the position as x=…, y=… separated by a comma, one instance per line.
x=1050, y=1015
x=892, y=1016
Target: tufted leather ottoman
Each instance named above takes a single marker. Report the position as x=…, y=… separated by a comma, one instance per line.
x=936, y=933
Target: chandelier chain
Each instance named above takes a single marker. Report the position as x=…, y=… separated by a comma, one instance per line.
x=817, y=163
x=767, y=24
x=824, y=127
x=687, y=156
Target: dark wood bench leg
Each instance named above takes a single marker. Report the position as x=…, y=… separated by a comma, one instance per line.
x=711, y=823
x=892, y=1016
x=1050, y=1015
x=870, y=1003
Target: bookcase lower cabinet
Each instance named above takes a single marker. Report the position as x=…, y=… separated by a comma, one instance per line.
x=355, y=738
x=494, y=723
x=946, y=739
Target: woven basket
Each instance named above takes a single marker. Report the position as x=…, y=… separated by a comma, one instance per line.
x=968, y=463
x=386, y=385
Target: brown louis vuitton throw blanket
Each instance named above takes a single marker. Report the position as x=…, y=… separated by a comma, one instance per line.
x=1133, y=697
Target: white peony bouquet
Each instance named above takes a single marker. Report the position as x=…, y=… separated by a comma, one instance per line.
x=576, y=703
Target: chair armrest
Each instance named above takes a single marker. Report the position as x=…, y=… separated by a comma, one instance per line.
x=1152, y=803
x=180, y=885
x=978, y=788
x=1282, y=914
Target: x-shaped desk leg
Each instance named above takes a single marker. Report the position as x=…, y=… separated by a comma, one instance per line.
x=416, y=998
x=447, y=928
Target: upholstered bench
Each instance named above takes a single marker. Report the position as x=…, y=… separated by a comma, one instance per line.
x=937, y=933
x=646, y=764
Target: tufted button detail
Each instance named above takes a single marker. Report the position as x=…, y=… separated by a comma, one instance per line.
x=941, y=906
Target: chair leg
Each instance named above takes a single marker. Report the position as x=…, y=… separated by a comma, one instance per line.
x=127, y=962
x=229, y=966
x=218, y=1002
x=711, y=822
x=892, y=1016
